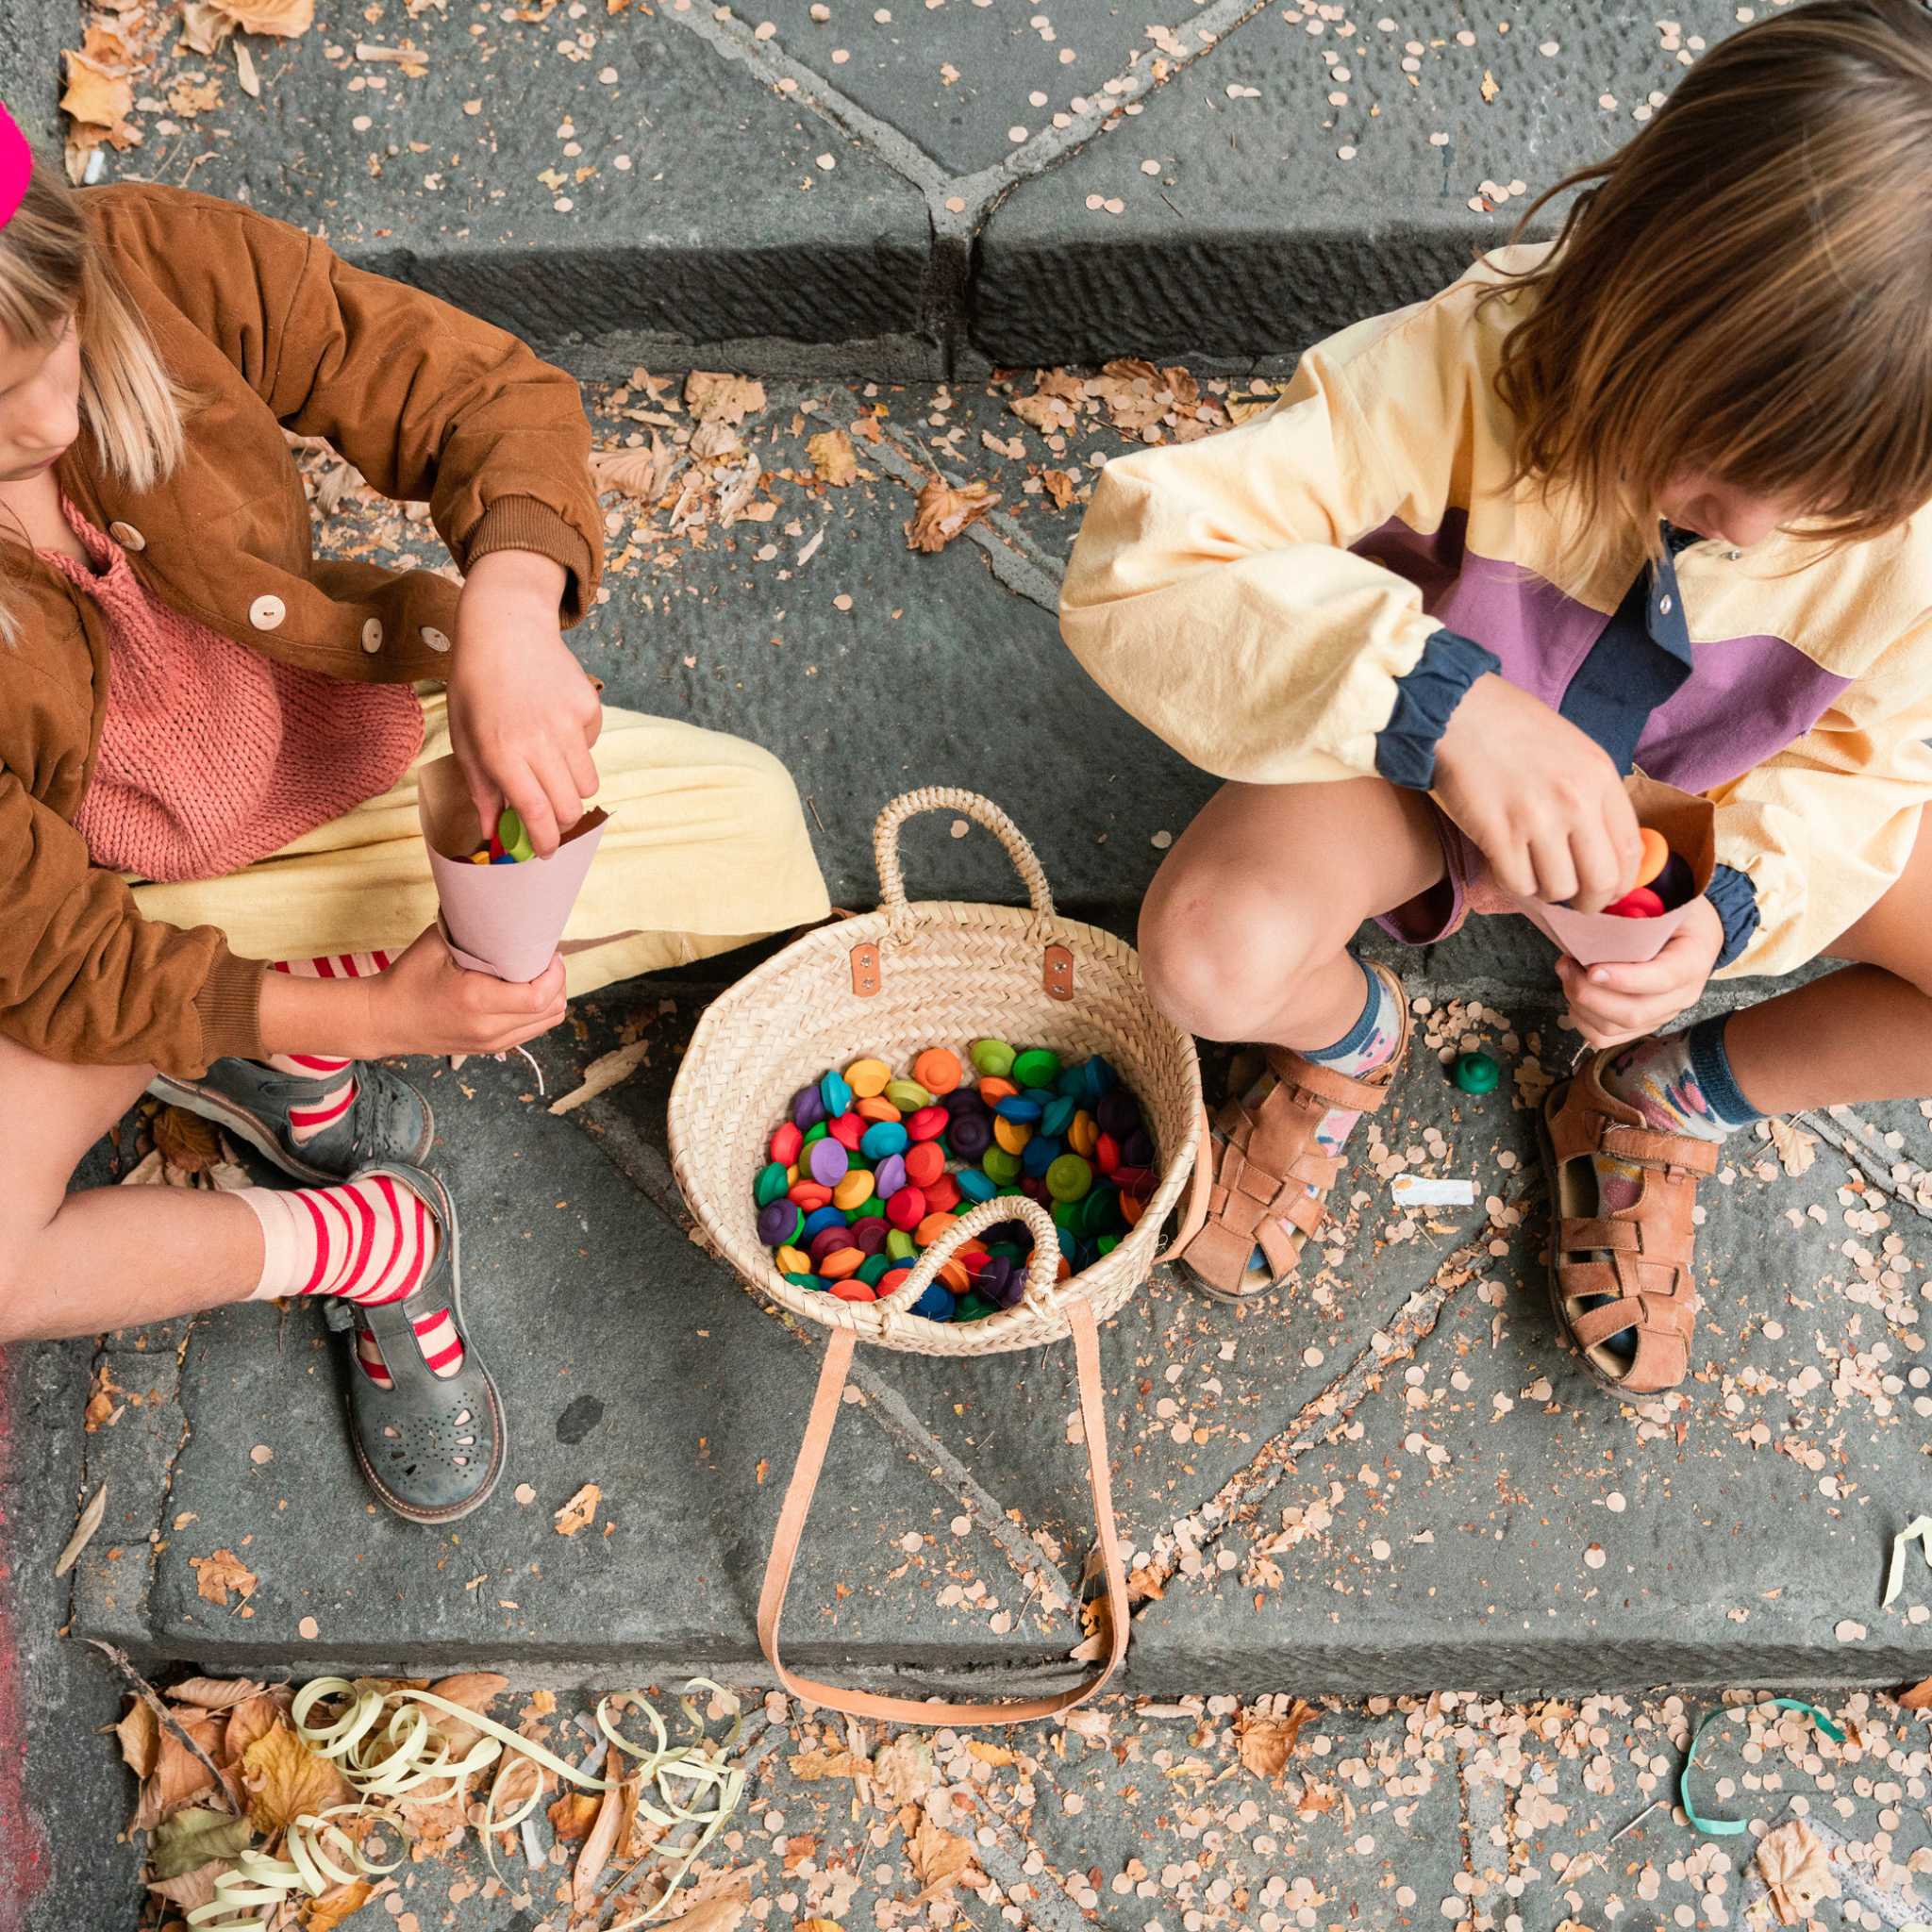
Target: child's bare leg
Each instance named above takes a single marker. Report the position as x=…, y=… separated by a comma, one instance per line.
x=1245, y=932
x=1860, y=1035
x=1244, y=936
x=74, y=1264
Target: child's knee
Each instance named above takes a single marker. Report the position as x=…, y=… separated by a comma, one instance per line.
x=1225, y=964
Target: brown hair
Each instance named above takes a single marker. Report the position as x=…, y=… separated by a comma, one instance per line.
x=1746, y=288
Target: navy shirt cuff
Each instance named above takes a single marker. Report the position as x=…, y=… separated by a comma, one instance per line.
x=1736, y=899
x=1405, y=746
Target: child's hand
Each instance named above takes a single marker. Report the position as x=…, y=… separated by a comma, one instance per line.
x=1613, y=1004
x=1541, y=800
x=425, y=1003
x=522, y=716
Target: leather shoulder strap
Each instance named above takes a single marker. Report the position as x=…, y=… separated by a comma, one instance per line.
x=797, y=1506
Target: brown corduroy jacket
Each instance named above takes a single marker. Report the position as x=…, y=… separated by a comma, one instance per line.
x=269, y=331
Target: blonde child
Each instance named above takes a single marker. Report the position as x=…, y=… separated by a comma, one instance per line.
x=208, y=747
x=1652, y=496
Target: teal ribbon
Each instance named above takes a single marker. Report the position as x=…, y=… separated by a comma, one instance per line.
x=1731, y=1828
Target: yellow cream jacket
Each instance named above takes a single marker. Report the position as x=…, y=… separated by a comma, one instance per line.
x=1307, y=596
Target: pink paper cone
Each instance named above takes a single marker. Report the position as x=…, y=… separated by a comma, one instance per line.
x=1595, y=939
x=504, y=920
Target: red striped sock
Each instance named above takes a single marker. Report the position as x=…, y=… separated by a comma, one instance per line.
x=304, y=1123
x=367, y=1241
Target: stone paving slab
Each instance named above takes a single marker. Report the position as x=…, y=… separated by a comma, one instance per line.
x=920, y=189
x=503, y=171
x=1314, y=170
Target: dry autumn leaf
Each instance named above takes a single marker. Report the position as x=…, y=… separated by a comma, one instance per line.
x=640, y=473
x=192, y=1889
x=940, y=1858
x=602, y=1837
x=339, y=1903
x=214, y=1693
x=83, y=1532
x=193, y=1836
x=903, y=1770
x=285, y=1778
x=579, y=1510
x=474, y=1691
x=216, y=1576
x=179, y=1774
x=139, y=1735
x=94, y=98
x=186, y=1141
x=1266, y=1743
x=714, y=398
x=944, y=511
x=247, y=1722
x=722, y=1915
x=832, y=458
x=602, y=1074
x=1796, y=1149
x=208, y=22
x=572, y=1815
x=1918, y=1698
x=810, y=1766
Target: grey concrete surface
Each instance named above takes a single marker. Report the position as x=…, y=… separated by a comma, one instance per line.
x=922, y=204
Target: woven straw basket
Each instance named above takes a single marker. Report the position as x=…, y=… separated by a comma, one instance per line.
x=912, y=976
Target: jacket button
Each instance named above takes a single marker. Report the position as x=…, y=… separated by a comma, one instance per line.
x=372, y=634
x=266, y=613
x=126, y=536
x=434, y=638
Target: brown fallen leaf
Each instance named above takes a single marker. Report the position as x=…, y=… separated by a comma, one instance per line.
x=285, y=1778
x=1796, y=1149
x=572, y=1815
x=83, y=1532
x=192, y=1837
x=214, y=1693
x=192, y=1889
x=94, y=98
x=714, y=398
x=1918, y=1698
x=579, y=1510
x=186, y=1141
x=247, y=1722
x=1796, y=1871
x=337, y=1903
x=832, y=458
x=810, y=1766
x=602, y=1837
x=208, y=22
x=1266, y=1743
x=640, y=473
x=140, y=1734
x=178, y=1775
x=942, y=512
x=903, y=1770
x=1060, y=486
x=602, y=1073
x=940, y=1858
x=216, y=1576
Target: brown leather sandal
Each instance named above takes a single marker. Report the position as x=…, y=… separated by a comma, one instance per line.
x=1271, y=1180
x=1626, y=1273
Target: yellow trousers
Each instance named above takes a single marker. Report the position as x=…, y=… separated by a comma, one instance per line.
x=706, y=849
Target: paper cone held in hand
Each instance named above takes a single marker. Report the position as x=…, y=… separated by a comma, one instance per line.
x=504, y=920
x=1598, y=939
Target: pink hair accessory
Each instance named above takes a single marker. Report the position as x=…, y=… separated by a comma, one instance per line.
x=16, y=165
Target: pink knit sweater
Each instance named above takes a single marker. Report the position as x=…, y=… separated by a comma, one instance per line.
x=211, y=755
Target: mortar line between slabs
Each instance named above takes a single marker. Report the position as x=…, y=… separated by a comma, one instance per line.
x=1865, y=1147
x=648, y=1172
x=1332, y=1409
x=1018, y=562
x=1050, y=1907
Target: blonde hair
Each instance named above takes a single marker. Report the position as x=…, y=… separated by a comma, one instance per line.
x=1745, y=289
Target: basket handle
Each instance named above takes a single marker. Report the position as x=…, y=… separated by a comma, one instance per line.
x=884, y=843
x=798, y=1495
x=1056, y=970
x=1042, y=1266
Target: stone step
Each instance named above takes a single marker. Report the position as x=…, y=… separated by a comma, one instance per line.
x=1395, y=1478
x=918, y=191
